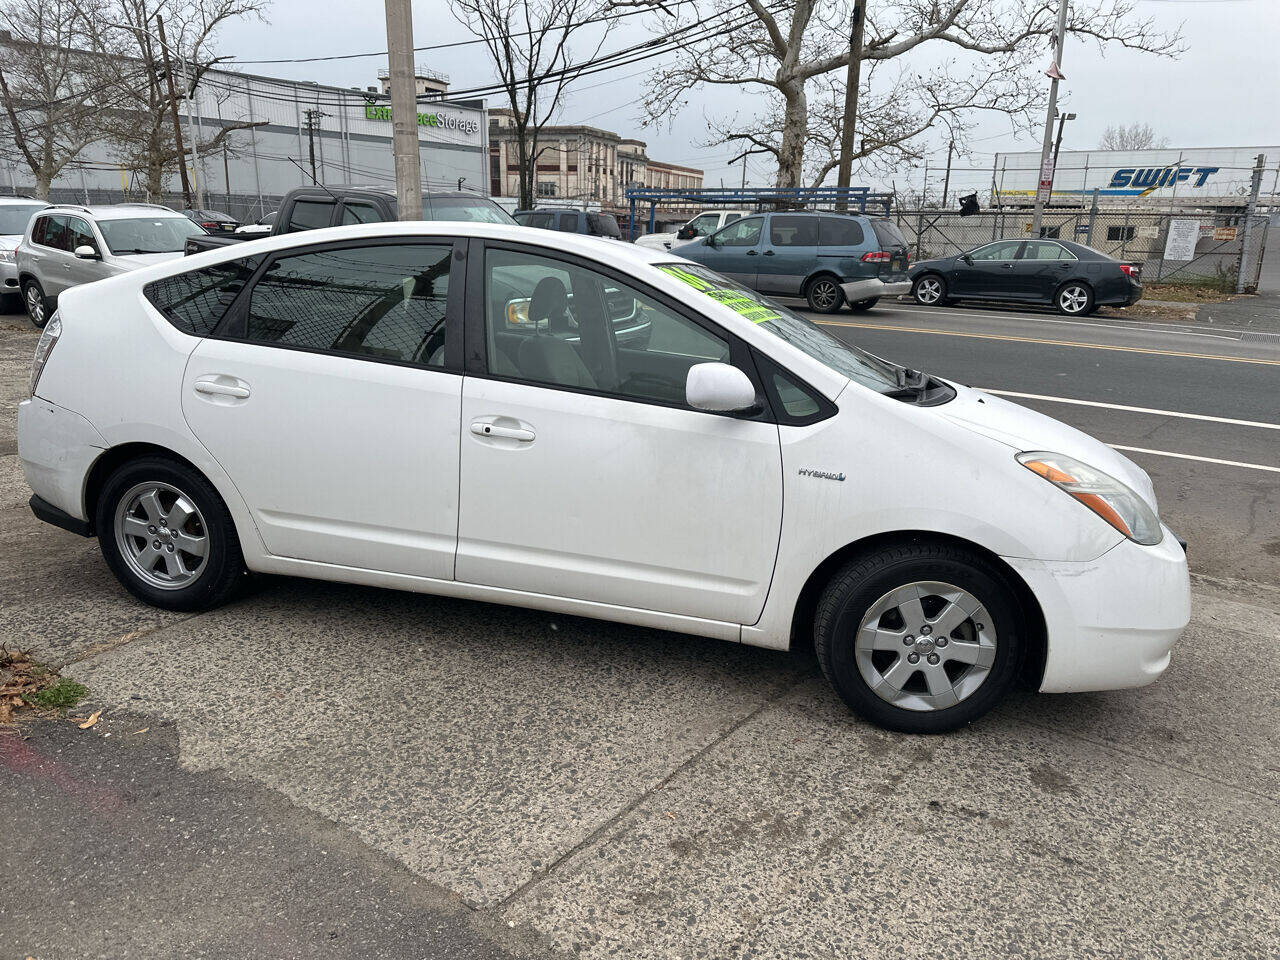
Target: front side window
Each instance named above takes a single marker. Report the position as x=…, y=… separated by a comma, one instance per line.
x=793, y=231
x=353, y=212
x=81, y=234
x=386, y=301
x=787, y=325
x=1000, y=250
x=744, y=233
x=14, y=217
x=310, y=215
x=704, y=224
x=148, y=234
x=195, y=301
x=557, y=323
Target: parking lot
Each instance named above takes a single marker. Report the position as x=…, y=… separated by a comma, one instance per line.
x=504, y=782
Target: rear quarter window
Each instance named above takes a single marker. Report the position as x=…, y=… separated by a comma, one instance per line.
x=840, y=232
x=195, y=301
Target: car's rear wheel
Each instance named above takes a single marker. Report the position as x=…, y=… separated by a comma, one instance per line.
x=923, y=637
x=37, y=304
x=1074, y=299
x=862, y=306
x=167, y=535
x=824, y=294
x=930, y=290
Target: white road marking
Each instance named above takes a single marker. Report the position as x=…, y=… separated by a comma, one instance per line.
x=1260, y=424
x=1127, y=324
x=1187, y=456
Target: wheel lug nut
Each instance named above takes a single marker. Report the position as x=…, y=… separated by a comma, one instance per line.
x=908, y=640
x=913, y=658
x=156, y=544
x=926, y=630
x=171, y=551
x=978, y=626
x=151, y=529
x=943, y=641
x=933, y=657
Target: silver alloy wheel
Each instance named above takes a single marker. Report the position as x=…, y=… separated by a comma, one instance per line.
x=925, y=646
x=35, y=305
x=824, y=294
x=929, y=290
x=1073, y=299
x=161, y=535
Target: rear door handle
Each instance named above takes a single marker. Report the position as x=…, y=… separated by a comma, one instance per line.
x=487, y=428
x=752, y=253
x=768, y=253
x=220, y=387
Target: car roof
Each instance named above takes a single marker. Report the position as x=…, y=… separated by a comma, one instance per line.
x=116, y=211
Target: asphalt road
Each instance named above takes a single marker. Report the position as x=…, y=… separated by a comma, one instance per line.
x=323, y=770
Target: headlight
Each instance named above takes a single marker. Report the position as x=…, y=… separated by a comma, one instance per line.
x=6, y=256
x=1104, y=495
x=48, y=338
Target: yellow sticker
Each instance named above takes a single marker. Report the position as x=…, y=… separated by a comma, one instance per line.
x=740, y=303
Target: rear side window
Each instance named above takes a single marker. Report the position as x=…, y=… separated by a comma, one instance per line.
x=195, y=301
x=385, y=301
x=793, y=231
x=568, y=223
x=603, y=225
x=353, y=212
x=840, y=232
x=889, y=235
x=52, y=232
x=310, y=214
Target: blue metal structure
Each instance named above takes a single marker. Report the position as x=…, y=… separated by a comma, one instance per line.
x=760, y=198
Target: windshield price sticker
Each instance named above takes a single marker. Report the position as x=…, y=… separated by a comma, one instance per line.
x=735, y=300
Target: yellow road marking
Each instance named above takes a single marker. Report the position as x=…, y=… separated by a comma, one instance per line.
x=1055, y=343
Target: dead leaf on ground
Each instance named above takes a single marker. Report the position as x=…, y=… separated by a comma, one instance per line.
x=92, y=719
x=143, y=730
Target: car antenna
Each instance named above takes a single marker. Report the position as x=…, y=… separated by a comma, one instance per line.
x=314, y=181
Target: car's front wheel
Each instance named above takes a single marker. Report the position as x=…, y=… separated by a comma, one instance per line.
x=1074, y=299
x=167, y=535
x=36, y=302
x=824, y=294
x=922, y=637
x=862, y=306
x=930, y=290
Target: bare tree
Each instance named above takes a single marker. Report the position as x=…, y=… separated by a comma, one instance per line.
x=142, y=126
x=779, y=47
x=1135, y=136
x=53, y=91
x=529, y=42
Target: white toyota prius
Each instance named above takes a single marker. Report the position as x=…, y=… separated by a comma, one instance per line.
x=558, y=422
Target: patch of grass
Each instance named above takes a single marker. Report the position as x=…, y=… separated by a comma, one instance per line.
x=61, y=695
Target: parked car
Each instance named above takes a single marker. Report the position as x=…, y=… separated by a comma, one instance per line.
x=1072, y=277
x=15, y=214
x=310, y=208
x=260, y=227
x=343, y=404
x=571, y=221
x=702, y=225
x=213, y=221
x=66, y=245
x=830, y=259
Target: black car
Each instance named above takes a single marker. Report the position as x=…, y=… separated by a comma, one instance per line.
x=1073, y=278
x=213, y=221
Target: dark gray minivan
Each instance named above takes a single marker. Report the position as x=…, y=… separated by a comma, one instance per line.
x=830, y=259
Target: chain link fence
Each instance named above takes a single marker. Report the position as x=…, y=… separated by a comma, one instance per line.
x=1225, y=243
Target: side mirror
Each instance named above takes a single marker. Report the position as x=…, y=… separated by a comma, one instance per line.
x=966, y=258
x=711, y=240
x=86, y=252
x=719, y=388
x=685, y=233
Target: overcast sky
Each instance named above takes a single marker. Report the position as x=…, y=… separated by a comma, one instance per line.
x=1222, y=92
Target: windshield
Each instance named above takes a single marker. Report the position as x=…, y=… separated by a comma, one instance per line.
x=463, y=206
x=805, y=335
x=14, y=217
x=148, y=234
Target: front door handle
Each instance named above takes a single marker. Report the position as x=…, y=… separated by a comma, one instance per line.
x=1007, y=266
x=752, y=253
x=220, y=387
x=487, y=428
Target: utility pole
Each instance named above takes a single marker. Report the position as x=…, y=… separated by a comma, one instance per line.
x=851, y=81
x=404, y=109
x=1057, y=146
x=744, y=171
x=189, y=87
x=1046, y=165
x=924, y=184
x=1246, y=265
x=313, y=116
x=177, y=124
x=946, y=183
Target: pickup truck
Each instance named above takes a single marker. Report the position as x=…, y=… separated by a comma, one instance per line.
x=704, y=224
x=309, y=208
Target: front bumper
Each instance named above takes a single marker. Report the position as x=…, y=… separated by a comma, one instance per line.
x=856, y=290
x=8, y=276
x=1111, y=622
x=56, y=448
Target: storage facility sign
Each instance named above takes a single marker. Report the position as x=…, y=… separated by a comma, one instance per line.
x=441, y=123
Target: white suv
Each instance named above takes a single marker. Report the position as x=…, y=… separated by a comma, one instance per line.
x=67, y=244
x=703, y=225
x=445, y=407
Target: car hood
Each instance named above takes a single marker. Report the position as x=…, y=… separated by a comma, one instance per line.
x=1023, y=429
x=10, y=242
x=135, y=261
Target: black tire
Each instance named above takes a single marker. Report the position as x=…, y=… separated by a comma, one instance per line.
x=824, y=294
x=39, y=307
x=223, y=567
x=1074, y=299
x=862, y=306
x=935, y=282
x=861, y=584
